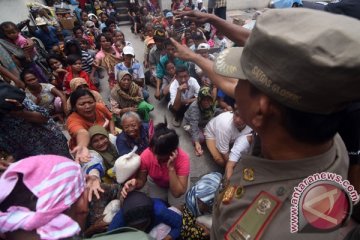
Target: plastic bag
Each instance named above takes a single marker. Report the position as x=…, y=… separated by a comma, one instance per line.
x=126, y=165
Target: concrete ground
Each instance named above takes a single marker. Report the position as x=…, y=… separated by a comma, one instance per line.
x=198, y=165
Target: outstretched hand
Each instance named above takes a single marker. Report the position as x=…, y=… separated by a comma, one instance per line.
x=82, y=154
x=93, y=183
x=195, y=16
x=182, y=51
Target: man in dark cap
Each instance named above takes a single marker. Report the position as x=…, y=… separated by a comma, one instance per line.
x=292, y=81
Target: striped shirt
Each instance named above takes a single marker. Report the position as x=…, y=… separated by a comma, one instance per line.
x=87, y=61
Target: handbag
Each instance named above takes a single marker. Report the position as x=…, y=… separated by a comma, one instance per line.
x=8, y=91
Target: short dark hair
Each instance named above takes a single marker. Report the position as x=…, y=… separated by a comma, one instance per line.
x=72, y=43
x=181, y=68
x=72, y=58
x=109, y=21
x=53, y=56
x=307, y=127
x=6, y=25
x=78, y=93
x=168, y=42
x=311, y=127
x=167, y=62
x=77, y=28
x=164, y=140
x=25, y=72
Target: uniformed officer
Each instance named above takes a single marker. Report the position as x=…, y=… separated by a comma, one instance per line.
x=297, y=72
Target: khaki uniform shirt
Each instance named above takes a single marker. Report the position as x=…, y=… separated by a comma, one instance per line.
x=270, y=176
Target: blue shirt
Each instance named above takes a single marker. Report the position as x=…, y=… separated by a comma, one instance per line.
x=136, y=70
x=125, y=144
x=161, y=215
x=48, y=39
x=228, y=100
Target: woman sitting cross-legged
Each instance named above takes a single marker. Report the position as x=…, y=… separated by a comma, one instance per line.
x=135, y=133
x=165, y=165
x=127, y=96
x=86, y=113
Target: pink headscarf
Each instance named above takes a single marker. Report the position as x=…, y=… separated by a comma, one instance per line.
x=57, y=182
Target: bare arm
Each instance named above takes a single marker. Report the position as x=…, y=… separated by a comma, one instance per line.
x=177, y=102
x=33, y=117
x=82, y=138
x=8, y=75
x=177, y=184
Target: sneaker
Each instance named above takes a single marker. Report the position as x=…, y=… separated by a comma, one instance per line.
x=186, y=127
x=176, y=122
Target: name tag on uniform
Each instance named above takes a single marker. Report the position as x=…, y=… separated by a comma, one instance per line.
x=254, y=220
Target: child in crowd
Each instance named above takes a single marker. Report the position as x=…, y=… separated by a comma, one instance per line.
x=220, y=41
x=13, y=35
x=168, y=79
x=74, y=71
x=58, y=72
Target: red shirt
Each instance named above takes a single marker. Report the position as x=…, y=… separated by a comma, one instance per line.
x=83, y=75
x=160, y=172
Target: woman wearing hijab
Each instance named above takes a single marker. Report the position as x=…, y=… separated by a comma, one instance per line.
x=77, y=83
x=198, y=115
x=127, y=96
x=34, y=206
x=103, y=154
x=198, y=201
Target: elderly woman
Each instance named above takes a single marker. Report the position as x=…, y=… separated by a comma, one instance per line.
x=77, y=83
x=134, y=133
x=165, y=165
x=198, y=115
x=127, y=96
x=86, y=113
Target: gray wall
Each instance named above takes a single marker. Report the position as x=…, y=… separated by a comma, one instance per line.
x=14, y=10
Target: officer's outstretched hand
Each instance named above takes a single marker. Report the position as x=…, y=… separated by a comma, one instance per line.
x=183, y=52
x=195, y=16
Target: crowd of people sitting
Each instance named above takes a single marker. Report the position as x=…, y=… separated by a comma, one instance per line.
x=92, y=86
x=119, y=168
